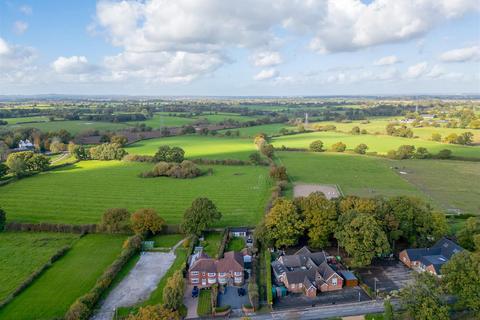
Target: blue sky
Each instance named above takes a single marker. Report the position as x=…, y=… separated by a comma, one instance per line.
x=220, y=47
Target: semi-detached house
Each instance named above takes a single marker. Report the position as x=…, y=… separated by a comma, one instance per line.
x=205, y=271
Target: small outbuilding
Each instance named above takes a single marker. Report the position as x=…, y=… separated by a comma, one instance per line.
x=239, y=232
x=349, y=277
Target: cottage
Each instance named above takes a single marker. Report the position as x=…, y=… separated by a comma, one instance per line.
x=430, y=259
x=25, y=145
x=306, y=272
x=239, y=232
x=205, y=271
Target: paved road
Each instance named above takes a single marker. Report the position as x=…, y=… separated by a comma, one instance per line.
x=324, y=312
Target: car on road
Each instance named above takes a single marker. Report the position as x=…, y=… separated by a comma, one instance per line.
x=195, y=292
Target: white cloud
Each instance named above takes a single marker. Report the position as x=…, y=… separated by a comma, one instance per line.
x=436, y=72
x=266, y=74
x=266, y=59
x=417, y=70
x=386, y=61
x=15, y=57
x=72, y=65
x=19, y=27
x=461, y=55
x=25, y=9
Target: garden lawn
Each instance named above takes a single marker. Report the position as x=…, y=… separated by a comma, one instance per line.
x=452, y=185
x=166, y=240
x=54, y=291
x=80, y=193
x=356, y=175
x=211, y=244
x=376, y=143
x=198, y=147
x=204, y=307
x=22, y=253
x=236, y=244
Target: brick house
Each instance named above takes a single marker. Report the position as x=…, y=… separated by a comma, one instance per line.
x=430, y=259
x=306, y=272
x=206, y=271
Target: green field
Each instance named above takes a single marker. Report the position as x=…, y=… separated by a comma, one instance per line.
x=160, y=120
x=74, y=126
x=54, y=291
x=376, y=143
x=80, y=193
x=198, y=147
x=377, y=125
x=166, y=240
x=268, y=129
x=356, y=175
x=449, y=184
x=22, y=253
x=25, y=119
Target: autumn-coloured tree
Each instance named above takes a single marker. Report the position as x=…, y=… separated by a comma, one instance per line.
x=155, y=312
x=146, y=220
x=284, y=224
x=115, y=220
x=173, y=291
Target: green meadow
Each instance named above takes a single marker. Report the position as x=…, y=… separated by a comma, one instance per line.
x=160, y=120
x=50, y=296
x=198, y=147
x=268, y=129
x=451, y=185
x=376, y=143
x=22, y=253
x=80, y=193
x=74, y=126
x=356, y=175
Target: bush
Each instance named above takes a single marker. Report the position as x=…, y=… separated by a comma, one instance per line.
x=278, y=173
x=253, y=295
x=339, y=147
x=361, y=148
x=107, y=151
x=116, y=220
x=137, y=158
x=51, y=227
x=255, y=158
x=316, y=146
x=444, y=154
x=3, y=218
x=185, y=170
x=169, y=154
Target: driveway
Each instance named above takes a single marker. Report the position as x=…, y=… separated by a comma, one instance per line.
x=230, y=297
x=138, y=284
x=386, y=275
x=190, y=303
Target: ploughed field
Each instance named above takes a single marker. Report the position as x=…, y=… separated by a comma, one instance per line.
x=198, y=147
x=80, y=193
x=376, y=143
x=50, y=295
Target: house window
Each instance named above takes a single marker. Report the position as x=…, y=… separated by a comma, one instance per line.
x=211, y=274
x=194, y=280
x=238, y=280
x=194, y=273
x=222, y=280
x=222, y=274
x=237, y=274
x=294, y=286
x=212, y=280
x=300, y=285
x=334, y=281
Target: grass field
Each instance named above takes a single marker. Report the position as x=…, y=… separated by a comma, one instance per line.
x=74, y=126
x=211, y=244
x=268, y=129
x=160, y=120
x=356, y=175
x=80, y=193
x=25, y=119
x=22, y=253
x=54, y=291
x=450, y=184
x=166, y=240
x=377, y=143
x=199, y=147
x=379, y=124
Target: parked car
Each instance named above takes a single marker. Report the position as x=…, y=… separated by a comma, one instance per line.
x=195, y=292
x=241, y=292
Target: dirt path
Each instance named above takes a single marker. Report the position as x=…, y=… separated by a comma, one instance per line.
x=64, y=155
x=304, y=189
x=138, y=284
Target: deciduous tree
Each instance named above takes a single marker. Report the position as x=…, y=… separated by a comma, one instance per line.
x=199, y=216
x=339, y=147
x=116, y=220
x=316, y=146
x=466, y=234
x=361, y=148
x=284, y=224
x=155, y=312
x=173, y=291
x=146, y=220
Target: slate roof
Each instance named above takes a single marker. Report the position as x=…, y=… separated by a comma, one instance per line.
x=435, y=256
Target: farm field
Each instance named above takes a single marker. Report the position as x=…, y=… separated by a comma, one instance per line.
x=379, y=124
x=452, y=185
x=198, y=147
x=381, y=144
x=22, y=253
x=74, y=126
x=25, y=119
x=80, y=193
x=161, y=120
x=268, y=129
x=356, y=175
x=54, y=291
